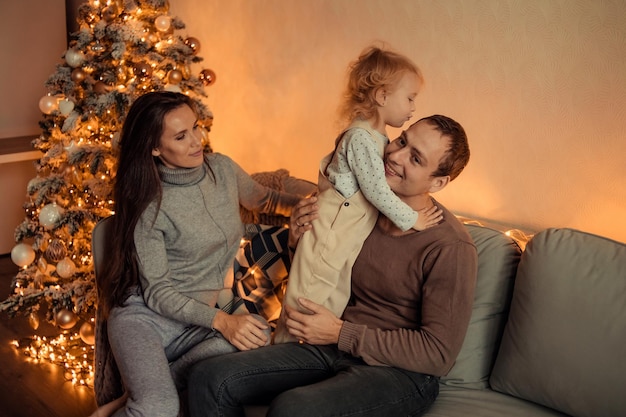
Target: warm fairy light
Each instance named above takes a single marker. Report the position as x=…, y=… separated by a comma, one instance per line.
x=520, y=237
x=67, y=350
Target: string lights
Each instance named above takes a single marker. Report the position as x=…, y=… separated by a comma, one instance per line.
x=519, y=236
x=67, y=350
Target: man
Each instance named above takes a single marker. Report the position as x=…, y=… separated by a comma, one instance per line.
x=412, y=295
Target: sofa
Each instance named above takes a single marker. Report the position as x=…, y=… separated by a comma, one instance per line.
x=547, y=336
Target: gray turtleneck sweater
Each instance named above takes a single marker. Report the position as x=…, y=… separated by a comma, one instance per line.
x=186, y=251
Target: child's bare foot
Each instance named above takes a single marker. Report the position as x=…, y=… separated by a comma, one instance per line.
x=108, y=409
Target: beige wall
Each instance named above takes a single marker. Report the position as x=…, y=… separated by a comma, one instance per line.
x=32, y=41
x=540, y=86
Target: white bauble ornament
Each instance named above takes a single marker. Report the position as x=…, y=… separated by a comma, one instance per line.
x=74, y=58
x=48, y=104
x=66, y=268
x=49, y=215
x=162, y=23
x=66, y=106
x=65, y=319
x=22, y=254
x=87, y=333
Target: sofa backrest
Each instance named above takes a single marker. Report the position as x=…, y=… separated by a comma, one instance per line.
x=498, y=257
x=564, y=342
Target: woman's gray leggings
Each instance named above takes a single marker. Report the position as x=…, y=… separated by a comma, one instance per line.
x=154, y=355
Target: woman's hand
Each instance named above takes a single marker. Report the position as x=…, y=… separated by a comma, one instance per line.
x=302, y=215
x=242, y=330
x=321, y=327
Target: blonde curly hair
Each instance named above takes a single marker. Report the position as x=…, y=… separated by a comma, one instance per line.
x=374, y=69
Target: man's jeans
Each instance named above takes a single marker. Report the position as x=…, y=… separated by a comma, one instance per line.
x=305, y=380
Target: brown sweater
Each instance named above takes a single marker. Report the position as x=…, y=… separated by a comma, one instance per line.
x=412, y=298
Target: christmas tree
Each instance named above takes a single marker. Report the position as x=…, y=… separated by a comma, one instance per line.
x=122, y=50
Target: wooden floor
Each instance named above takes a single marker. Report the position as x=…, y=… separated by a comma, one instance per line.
x=28, y=389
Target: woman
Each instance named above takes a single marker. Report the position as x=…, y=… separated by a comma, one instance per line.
x=175, y=234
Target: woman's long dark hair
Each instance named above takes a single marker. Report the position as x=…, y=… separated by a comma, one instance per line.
x=137, y=184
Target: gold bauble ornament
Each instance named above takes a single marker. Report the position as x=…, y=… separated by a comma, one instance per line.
x=78, y=75
x=175, y=76
x=100, y=87
x=66, y=319
x=143, y=70
x=87, y=333
x=193, y=44
x=162, y=23
x=110, y=13
x=207, y=76
x=186, y=70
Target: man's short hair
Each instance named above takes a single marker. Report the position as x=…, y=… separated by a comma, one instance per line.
x=457, y=155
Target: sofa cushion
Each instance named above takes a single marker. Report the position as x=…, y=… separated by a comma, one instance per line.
x=498, y=256
x=261, y=269
x=460, y=402
x=563, y=345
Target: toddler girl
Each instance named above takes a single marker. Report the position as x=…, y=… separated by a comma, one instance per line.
x=381, y=92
